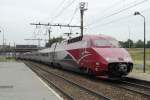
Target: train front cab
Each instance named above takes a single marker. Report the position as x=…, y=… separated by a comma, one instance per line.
x=113, y=60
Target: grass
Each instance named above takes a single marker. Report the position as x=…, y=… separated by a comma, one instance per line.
x=2, y=59
x=137, y=56
x=6, y=59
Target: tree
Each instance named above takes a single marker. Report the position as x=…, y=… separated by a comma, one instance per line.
x=53, y=40
x=127, y=44
x=121, y=43
x=148, y=44
x=139, y=44
x=131, y=44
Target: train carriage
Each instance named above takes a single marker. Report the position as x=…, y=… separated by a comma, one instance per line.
x=98, y=55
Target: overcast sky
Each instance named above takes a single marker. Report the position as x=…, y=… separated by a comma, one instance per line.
x=102, y=17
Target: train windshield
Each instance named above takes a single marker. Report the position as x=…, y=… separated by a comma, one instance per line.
x=102, y=43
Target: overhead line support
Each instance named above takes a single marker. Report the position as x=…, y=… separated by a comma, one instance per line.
x=59, y=25
x=82, y=9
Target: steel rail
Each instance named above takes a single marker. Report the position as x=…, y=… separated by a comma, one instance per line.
x=82, y=87
x=51, y=83
x=135, y=84
x=133, y=90
x=143, y=82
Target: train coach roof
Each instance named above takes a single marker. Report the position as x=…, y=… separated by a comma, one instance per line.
x=101, y=36
x=89, y=37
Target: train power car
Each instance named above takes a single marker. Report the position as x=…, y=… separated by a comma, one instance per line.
x=97, y=55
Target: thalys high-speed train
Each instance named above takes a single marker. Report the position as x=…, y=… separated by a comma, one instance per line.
x=98, y=55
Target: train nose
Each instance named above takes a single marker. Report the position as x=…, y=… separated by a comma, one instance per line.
x=118, y=59
x=114, y=54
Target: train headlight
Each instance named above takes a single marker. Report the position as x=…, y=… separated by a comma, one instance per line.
x=111, y=59
x=97, y=63
x=96, y=69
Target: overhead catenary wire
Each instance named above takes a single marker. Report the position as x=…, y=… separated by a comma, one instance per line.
x=54, y=9
x=108, y=15
x=111, y=6
x=119, y=19
x=68, y=7
x=75, y=11
x=60, y=4
x=70, y=21
x=118, y=12
x=62, y=10
x=108, y=8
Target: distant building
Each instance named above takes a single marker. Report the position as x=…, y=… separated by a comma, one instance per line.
x=5, y=46
x=18, y=49
x=26, y=46
x=1, y=46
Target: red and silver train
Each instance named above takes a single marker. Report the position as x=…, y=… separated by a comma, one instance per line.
x=97, y=55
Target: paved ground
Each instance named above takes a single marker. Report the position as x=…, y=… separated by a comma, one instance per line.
x=18, y=82
x=138, y=75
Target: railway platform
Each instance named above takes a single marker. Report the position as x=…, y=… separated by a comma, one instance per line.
x=18, y=82
x=140, y=76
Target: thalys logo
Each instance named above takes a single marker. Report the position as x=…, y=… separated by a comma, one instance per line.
x=84, y=54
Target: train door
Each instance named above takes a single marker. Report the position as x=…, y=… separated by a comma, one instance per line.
x=84, y=59
x=82, y=52
x=54, y=55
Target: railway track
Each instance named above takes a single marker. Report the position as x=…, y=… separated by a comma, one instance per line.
x=137, y=86
x=36, y=68
x=53, y=84
x=130, y=84
x=137, y=81
x=138, y=93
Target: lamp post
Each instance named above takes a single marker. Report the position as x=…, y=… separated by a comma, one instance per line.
x=138, y=13
x=2, y=30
